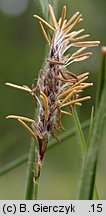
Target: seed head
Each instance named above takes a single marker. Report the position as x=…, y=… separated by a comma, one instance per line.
x=56, y=86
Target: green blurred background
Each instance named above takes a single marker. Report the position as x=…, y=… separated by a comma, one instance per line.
x=22, y=52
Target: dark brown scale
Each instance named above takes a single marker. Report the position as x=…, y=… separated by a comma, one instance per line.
x=50, y=86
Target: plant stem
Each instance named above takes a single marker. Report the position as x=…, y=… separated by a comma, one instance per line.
x=53, y=143
x=101, y=77
x=83, y=144
x=90, y=163
x=29, y=181
x=35, y=190
x=80, y=134
x=90, y=128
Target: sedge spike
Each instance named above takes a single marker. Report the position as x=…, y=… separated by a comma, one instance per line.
x=56, y=86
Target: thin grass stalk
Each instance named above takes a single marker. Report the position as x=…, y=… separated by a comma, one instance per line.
x=90, y=162
x=32, y=185
x=80, y=134
x=35, y=190
x=90, y=127
x=83, y=144
x=21, y=160
x=96, y=195
x=101, y=77
x=51, y=89
x=30, y=173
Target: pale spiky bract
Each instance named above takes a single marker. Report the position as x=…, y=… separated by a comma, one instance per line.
x=57, y=87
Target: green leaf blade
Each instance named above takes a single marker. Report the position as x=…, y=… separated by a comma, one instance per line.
x=80, y=134
x=101, y=77
x=90, y=127
x=53, y=143
x=91, y=159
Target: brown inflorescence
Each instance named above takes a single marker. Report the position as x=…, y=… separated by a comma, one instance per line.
x=56, y=86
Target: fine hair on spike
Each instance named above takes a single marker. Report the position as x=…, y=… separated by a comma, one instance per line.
x=56, y=87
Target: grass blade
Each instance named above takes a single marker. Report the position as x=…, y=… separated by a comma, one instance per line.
x=90, y=127
x=96, y=196
x=84, y=146
x=101, y=77
x=90, y=163
x=80, y=134
x=15, y=163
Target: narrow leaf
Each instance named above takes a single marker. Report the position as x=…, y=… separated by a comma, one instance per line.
x=96, y=196
x=90, y=127
x=101, y=77
x=90, y=163
x=80, y=134
x=53, y=143
x=83, y=144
